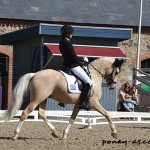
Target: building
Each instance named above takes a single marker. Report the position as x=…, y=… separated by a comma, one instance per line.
x=111, y=14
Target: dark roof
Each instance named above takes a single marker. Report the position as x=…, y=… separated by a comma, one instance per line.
x=104, y=12
x=49, y=29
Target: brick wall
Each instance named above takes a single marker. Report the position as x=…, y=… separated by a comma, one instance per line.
x=6, y=27
x=8, y=82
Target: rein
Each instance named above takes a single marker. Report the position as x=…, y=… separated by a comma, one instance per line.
x=105, y=77
x=98, y=72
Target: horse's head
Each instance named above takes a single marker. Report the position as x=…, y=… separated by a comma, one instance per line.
x=112, y=72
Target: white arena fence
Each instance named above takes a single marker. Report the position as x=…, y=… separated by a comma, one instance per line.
x=87, y=118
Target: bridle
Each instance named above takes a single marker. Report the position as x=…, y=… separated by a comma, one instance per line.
x=106, y=77
x=98, y=72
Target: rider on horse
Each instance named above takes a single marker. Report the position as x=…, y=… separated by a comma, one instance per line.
x=72, y=62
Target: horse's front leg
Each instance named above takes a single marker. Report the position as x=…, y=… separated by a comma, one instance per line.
x=98, y=107
x=71, y=121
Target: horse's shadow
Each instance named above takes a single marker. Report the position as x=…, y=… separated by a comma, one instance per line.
x=10, y=138
x=22, y=138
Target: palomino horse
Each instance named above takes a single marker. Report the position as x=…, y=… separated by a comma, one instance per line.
x=51, y=83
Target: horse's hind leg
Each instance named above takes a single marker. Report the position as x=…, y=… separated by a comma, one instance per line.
x=97, y=106
x=71, y=121
x=24, y=115
x=43, y=116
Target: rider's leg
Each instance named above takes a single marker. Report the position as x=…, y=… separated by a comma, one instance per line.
x=84, y=96
x=78, y=71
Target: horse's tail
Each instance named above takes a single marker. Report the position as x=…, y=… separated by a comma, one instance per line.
x=19, y=92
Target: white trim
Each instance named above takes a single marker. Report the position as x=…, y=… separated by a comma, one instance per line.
x=46, y=24
x=88, y=27
x=93, y=56
x=40, y=29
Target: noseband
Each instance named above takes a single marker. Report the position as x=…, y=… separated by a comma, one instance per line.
x=106, y=77
x=110, y=77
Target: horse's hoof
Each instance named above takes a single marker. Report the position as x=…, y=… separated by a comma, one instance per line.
x=63, y=138
x=14, y=138
x=64, y=135
x=114, y=135
x=54, y=134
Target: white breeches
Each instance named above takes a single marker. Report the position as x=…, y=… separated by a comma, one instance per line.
x=78, y=71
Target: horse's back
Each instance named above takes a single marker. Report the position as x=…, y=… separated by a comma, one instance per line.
x=46, y=79
x=47, y=76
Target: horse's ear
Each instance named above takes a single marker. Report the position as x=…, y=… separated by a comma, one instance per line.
x=118, y=63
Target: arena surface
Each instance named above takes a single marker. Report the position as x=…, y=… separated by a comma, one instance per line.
x=37, y=136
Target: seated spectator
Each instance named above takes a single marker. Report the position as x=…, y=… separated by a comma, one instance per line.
x=132, y=97
x=123, y=100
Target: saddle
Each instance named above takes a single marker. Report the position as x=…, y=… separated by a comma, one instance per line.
x=74, y=84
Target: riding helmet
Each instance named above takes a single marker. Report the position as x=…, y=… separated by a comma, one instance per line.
x=66, y=29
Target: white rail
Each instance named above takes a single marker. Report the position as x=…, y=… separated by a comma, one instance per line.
x=87, y=118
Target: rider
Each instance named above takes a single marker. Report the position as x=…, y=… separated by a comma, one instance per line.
x=71, y=61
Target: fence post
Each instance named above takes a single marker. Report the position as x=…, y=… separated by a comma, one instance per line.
x=139, y=119
x=88, y=123
x=36, y=116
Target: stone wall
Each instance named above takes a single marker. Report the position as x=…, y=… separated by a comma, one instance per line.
x=7, y=26
x=129, y=47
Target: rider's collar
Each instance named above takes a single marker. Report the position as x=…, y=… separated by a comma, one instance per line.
x=67, y=39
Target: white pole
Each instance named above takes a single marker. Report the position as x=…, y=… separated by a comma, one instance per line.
x=139, y=36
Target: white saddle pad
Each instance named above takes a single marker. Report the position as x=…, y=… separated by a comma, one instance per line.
x=72, y=83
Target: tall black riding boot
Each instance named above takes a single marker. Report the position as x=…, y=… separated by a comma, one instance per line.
x=84, y=102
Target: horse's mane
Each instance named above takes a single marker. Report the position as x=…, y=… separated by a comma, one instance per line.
x=100, y=58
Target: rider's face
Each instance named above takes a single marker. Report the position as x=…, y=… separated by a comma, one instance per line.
x=69, y=36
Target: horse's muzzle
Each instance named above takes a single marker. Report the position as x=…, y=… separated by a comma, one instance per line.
x=111, y=88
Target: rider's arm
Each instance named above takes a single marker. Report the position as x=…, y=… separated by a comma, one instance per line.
x=70, y=50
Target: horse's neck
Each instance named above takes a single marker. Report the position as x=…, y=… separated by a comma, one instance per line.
x=96, y=70
x=99, y=65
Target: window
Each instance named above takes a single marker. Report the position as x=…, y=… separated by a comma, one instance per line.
x=145, y=65
x=3, y=65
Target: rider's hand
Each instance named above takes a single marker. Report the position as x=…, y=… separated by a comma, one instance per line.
x=86, y=60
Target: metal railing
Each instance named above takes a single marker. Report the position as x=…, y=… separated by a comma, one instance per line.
x=138, y=76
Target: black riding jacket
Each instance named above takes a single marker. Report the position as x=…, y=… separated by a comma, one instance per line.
x=68, y=53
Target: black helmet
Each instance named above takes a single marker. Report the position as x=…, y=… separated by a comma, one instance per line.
x=66, y=29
